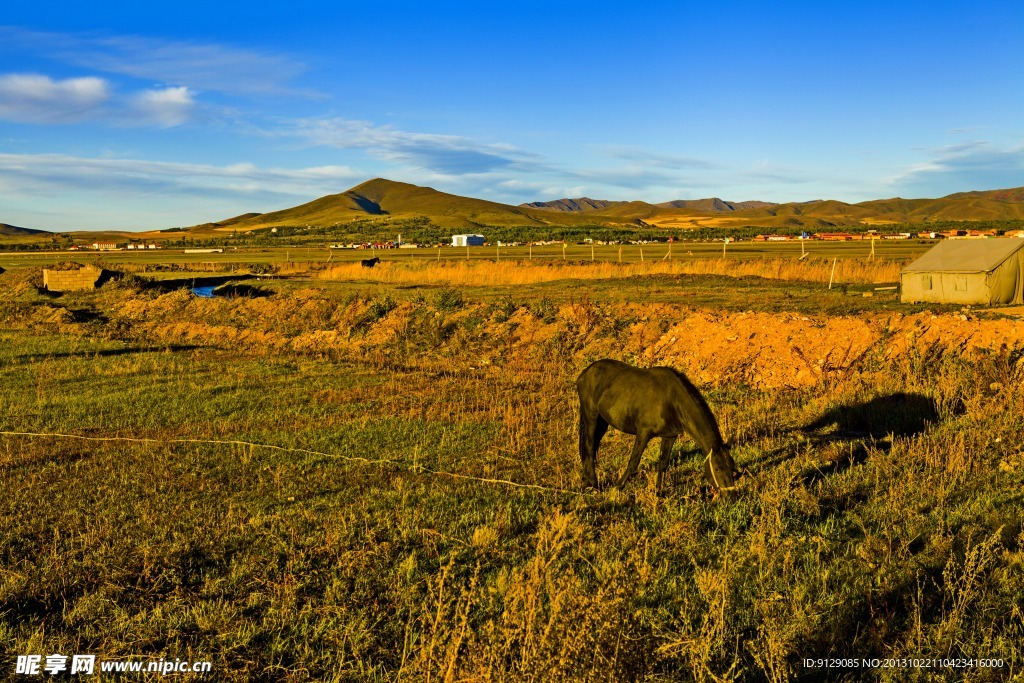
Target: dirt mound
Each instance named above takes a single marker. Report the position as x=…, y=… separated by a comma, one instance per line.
x=763, y=350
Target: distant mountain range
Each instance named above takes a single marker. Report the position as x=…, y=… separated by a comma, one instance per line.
x=389, y=199
x=580, y=204
x=381, y=199
x=712, y=205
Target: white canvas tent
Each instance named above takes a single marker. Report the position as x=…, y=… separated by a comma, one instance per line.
x=985, y=271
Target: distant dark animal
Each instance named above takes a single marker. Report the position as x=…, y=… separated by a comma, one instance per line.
x=370, y=262
x=656, y=402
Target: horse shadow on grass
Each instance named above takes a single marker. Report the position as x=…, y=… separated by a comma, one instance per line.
x=882, y=417
x=860, y=428
x=850, y=432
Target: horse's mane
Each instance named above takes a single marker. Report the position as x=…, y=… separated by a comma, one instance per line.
x=699, y=400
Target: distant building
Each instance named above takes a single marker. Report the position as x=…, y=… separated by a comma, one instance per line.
x=105, y=246
x=467, y=240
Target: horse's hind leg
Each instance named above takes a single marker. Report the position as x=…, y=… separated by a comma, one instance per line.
x=666, y=453
x=591, y=431
x=597, y=433
x=634, y=459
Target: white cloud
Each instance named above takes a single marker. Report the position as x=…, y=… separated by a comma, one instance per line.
x=205, y=66
x=39, y=99
x=34, y=98
x=167, y=107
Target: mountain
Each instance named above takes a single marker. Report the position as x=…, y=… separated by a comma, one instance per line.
x=578, y=204
x=15, y=231
x=382, y=199
x=713, y=205
x=1014, y=194
x=389, y=199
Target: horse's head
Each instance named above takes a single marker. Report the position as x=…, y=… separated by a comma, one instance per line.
x=720, y=470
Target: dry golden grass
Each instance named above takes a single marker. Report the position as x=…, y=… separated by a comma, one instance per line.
x=300, y=567
x=481, y=273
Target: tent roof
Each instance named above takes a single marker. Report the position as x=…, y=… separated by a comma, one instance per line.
x=966, y=256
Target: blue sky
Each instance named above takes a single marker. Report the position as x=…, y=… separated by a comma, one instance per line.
x=152, y=116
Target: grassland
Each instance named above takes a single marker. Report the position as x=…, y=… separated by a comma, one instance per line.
x=358, y=475
x=896, y=251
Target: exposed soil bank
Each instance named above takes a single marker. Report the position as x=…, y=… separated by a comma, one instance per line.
x=763, y=350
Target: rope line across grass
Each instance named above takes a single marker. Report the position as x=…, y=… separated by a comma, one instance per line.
x=418, y=469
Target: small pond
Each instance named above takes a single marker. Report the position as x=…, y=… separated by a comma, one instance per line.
x=226, y=288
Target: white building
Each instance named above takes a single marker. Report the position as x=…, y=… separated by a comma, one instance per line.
x=467, y=240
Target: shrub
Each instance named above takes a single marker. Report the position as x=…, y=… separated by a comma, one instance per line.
x=545, y=309
x=449, y=299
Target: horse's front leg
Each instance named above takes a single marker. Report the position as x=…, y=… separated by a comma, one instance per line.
x=666, y=452
x=634, y=459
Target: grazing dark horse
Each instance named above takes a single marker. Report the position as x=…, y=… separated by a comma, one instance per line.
x=370, y=262
x=657, y=402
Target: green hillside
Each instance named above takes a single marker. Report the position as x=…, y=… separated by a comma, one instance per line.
x=15, y=231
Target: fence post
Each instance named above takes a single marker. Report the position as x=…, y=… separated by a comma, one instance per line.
x=641, y=254
x=830, y=277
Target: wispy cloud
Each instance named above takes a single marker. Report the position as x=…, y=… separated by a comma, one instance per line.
x=964, y=166
x=34, y=98
x=197, y=65
x=444, y=154
x=764, y=170
x=47, y=174
x=503, y=171
x=661, y=160
x=58, y=191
